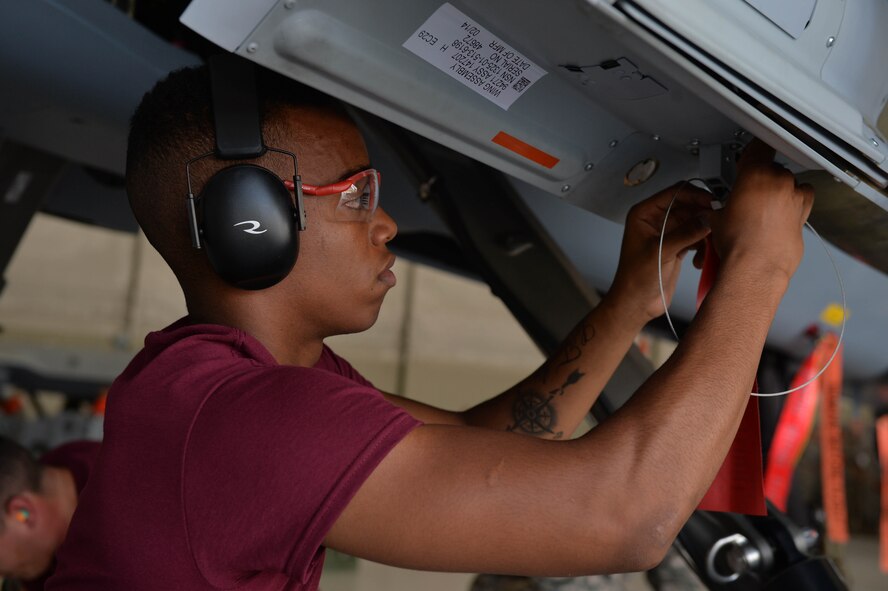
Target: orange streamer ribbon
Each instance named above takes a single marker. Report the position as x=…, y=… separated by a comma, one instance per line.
x=882, y=441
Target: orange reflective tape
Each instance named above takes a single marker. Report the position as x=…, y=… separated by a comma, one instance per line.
x=832, y=459
x=12, y=405
x=524, y=149
x=101, y=402
x=882, y=442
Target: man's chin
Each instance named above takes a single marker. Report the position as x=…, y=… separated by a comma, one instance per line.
x=31, y=574
x=37, y=568
x=360, y=325
x=357, y=328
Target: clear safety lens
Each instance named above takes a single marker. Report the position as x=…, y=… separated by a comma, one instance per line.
x=359, y=201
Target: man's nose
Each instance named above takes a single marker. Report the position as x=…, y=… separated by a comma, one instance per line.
x=382, y=227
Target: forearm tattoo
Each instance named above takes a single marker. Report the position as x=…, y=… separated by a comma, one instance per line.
x=573, y=346
x=571, y=350
x=534, y=413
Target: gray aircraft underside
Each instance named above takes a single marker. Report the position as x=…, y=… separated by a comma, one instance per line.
x=586, y=106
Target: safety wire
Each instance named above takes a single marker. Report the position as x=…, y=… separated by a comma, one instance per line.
x=828, y=254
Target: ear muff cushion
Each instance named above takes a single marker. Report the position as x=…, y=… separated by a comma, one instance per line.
x=249, y=226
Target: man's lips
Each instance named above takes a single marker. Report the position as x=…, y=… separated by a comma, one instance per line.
x=387, y=276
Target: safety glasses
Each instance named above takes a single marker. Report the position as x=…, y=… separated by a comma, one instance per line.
x=358, y=195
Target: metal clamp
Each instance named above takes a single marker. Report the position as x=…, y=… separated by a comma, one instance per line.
x=741, y=557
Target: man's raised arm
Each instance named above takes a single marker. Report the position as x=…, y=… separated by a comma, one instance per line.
x=553, y=400
x=479, y=500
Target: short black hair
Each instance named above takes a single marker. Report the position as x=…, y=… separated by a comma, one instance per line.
x=178, y=111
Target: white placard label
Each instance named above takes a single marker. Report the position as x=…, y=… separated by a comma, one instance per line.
x=460, y=47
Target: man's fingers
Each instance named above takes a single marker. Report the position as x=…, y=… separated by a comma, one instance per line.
x=683, y=192
x=686, y=236
x=756, y=153
x=700, y=255
x=681, y=214
x=807, y=192
x=697, y=197
x=689, y=201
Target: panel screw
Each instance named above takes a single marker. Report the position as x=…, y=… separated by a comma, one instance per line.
x=613, y=143
x=565, y=188
x=252, y=47
x=695, y=142
x=589, y=166
x=655, y=137
x=830, y=41
x=874, y=141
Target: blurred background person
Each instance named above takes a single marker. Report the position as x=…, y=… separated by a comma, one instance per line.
x=39, y=498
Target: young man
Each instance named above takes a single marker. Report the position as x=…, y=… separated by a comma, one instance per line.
x=39, y=498
x=237, y=446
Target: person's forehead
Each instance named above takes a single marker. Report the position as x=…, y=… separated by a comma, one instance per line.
x=327, y=143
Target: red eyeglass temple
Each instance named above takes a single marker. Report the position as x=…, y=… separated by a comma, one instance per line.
x=331, y=189
x=314, y=190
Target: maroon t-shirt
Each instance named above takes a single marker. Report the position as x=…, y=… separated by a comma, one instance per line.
x=78, y=457
x=222, y=469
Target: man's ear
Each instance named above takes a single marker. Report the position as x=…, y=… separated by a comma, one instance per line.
x=22, y=509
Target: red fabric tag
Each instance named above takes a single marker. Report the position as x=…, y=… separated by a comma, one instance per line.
x=739, y=484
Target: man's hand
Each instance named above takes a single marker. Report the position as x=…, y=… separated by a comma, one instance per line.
x=763, y=219
x=635, y=285
x=526, y=505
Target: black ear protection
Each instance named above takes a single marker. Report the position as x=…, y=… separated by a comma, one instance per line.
x=244, y=217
